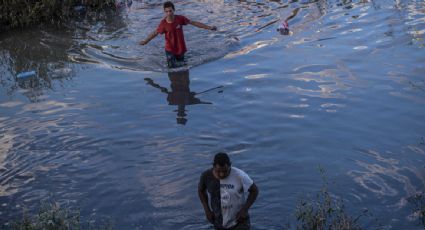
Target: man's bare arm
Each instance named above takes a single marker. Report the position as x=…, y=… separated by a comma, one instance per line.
x=149, y=38
x=253, y=193
x=202, y=193
x=202, y=25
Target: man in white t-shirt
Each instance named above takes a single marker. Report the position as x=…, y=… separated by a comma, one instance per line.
x=222, y=192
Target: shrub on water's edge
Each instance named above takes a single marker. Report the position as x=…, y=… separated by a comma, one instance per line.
x=325, y=212
x=52, y=216
x=418, y=202
x=22, y=13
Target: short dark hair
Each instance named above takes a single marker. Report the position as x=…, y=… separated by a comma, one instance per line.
x=222, y=159
x=169, y=4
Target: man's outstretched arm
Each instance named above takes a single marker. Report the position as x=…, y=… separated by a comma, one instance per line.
x=149, y=38
x=202, y=25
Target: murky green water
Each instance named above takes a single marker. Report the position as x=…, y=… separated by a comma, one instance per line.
x=105, y=128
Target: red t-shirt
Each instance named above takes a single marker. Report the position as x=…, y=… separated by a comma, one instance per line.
x=174, y=38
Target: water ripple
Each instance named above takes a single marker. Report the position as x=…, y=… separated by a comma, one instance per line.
x=380, y=172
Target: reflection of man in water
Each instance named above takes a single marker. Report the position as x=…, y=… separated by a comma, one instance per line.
x=180, y=94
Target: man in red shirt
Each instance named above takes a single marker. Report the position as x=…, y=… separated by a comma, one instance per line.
x=172, y=27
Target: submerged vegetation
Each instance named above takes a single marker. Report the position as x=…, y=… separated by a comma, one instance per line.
x=22, y=13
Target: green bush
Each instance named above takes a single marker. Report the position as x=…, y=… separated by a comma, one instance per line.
x=325, y=212
x=418, y=202
x=50, y=216
x=53, y=216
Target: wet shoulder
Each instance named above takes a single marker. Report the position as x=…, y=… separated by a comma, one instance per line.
x=208, y=181
x=207, y=174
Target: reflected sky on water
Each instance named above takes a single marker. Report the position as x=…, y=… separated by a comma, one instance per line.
x=105, y=127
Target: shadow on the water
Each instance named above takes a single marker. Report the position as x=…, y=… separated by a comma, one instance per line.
x=180, y=93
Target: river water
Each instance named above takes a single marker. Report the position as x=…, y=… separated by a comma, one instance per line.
x=104, y=127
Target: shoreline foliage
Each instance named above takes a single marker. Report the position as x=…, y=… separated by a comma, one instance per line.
x=24, y=13
x=326, y=211
x=53, y=216
x=418, y=203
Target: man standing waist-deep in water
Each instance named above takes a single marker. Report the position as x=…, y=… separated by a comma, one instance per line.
x=172, y=27
x=226, y=186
